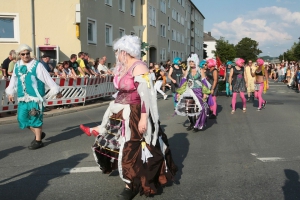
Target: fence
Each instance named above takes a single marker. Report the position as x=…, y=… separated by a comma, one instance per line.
x=74, y=91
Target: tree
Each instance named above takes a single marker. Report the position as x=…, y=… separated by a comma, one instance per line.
x=247, y=49
x=224, y=50
x=297, y=52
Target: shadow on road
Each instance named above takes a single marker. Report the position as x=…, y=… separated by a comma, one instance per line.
x=291, y=188
x=36, y=180
x=179, y=146
x=68, y=133
x=6, y=152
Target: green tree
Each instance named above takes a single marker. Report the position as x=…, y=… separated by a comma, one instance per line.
x=297, y=52
x=224, y=50
x=247, y=49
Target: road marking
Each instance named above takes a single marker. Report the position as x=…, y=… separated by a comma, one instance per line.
x=80, y=170
x=271, y=159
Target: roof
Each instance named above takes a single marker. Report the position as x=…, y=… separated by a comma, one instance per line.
x=208, y=37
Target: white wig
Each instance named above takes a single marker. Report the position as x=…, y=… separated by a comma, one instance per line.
x=23, y=47
x=193, y=57
x=130, y=44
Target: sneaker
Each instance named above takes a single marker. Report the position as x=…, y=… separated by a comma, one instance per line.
x=258, y=109
x=212, y=116
x=195, y=130
x=126, y=194
x=190, y=127
x=42, y=137
x=165, y=97
x=36, y=145
x=264, y=104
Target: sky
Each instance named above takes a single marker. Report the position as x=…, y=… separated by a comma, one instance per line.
x=274, y=24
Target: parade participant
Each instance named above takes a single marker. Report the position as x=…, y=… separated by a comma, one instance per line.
x=29, y=77
x=175, y=75
x=138, y=147
x=238, y=83
x=159, y=80
x=251, y=80
x=261, y=83
x=211, y=74
x=193, y=94
x=229, y=64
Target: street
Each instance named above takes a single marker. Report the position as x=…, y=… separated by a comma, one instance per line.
x=252, y=155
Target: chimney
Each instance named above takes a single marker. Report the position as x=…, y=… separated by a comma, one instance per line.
x=209, y=33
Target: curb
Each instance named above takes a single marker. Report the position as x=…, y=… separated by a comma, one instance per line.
x=13, y=119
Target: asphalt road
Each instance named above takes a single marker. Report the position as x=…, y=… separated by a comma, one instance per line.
x=252, y=155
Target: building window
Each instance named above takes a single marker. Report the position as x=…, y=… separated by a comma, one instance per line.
x=132, y=7
x=182, y=39
x=121, y=32
x=174, y=35
x=9, y=24
x=108, y=34
x=168, y=45
x=163, y=6
x=92, y=31
x=108, y=2
x=174, y=13
x=169, y=23
x=122, y=5
x=178, y=37
x=169, y=3
x=163, y=54
x=152, y=16
x=183, y=3
x=163, y=30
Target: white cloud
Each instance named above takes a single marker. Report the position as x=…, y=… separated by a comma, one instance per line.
x=268, y=26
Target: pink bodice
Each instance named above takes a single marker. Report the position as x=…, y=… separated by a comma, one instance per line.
x=128, y=88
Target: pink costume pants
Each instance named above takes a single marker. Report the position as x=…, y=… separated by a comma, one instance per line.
x=213, y=108
x=233, y=100
x=258, y=94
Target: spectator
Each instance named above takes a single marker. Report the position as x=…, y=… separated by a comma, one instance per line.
x=74, y=64
x=45, y=62
x=81, y=64
x=6, y=62
x=92, y=68
x=69, y=71
x=59, y=70
x=12, y=64
x=102, y=68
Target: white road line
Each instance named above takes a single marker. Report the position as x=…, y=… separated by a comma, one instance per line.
x=80, y=170
x=271, y=159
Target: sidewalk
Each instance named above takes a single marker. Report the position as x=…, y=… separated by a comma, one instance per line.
x=6, y=118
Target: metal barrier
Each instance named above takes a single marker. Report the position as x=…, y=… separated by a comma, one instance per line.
x=74, y=91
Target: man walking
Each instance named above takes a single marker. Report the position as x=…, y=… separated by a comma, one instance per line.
x=29, y=77
x=251, y=80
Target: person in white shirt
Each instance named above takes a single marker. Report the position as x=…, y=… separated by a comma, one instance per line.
x=102, y=68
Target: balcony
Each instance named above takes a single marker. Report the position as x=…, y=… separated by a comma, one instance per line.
x=192, y=18
x=192, y=34
x=192, y=48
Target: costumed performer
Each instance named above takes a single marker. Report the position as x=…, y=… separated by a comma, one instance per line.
x=238, y=83
x=176, y=73
x=159, y=80
x=193, y=94
x=28, y=81
x=211, y=74
x=261, y=83
x=130, y=138
x=229, y=64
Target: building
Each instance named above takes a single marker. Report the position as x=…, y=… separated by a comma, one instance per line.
x=61, y=28
x=210, y=41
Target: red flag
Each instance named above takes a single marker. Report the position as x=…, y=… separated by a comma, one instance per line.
x=219, y=62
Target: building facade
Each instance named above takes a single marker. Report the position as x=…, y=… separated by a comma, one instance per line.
x=61, y=28
x=210, y=41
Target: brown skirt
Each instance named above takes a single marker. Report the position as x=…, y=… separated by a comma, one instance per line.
x=145, y=177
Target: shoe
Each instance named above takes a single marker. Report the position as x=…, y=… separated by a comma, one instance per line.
x=244, y=110
x=36, y=145
x=126, y=194
x=42, y=137
x=212, y=116
x=195, y=130
x=258, y=109
x=190, y=127
x=95, y=133
x=85, y=129
x=227, y=95
x=165, y=97
x=233, y=111
x=264, y=104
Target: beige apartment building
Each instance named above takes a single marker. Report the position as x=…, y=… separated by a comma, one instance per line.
x=62, y=27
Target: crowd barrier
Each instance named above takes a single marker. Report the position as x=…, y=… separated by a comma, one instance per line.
x=77, y=90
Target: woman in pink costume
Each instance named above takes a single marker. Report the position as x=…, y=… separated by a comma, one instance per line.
x=130, y=138
x=261, y=83
x=211, y=74
x=238, y=83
